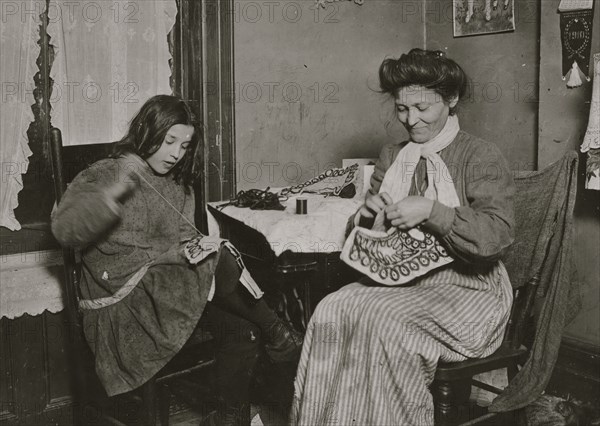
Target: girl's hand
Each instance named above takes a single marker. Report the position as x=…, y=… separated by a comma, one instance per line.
x=374, y=204
x=130, y=166
x=409, y=212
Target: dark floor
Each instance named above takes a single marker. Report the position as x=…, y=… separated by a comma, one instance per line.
x=272, y=394
x=267, y=416
x=260, y=416
x=271, y=415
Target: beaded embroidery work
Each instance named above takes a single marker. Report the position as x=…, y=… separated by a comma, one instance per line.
x=330, y=182
x=200, y=247
x=394, y=257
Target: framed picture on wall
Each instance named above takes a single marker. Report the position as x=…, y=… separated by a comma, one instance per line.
x=473, y=17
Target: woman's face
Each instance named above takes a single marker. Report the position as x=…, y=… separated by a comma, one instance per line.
x=422, y=111
x=172, y=150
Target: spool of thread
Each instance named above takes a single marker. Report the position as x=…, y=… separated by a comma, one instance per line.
x=301, y=206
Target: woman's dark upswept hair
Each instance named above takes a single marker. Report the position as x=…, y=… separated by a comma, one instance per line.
x=147, y=131
x=427, y=68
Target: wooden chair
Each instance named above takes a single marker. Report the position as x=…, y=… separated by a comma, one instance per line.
x=89, y=406
x=453, y=381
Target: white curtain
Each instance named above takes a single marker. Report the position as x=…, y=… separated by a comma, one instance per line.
x=19, y=33
x=110, y=57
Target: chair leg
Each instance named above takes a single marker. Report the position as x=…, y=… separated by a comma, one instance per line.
x=445, y=396
x=307, y=302
x=149, y=403
x=164, y=403
x=512, y=371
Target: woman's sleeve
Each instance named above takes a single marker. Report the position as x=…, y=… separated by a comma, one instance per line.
x=385, y=160
x=483, y=230
x=86, y=212
x=187, y=229
x=386, y=157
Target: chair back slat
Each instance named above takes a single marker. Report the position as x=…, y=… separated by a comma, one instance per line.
x=57, y=163
x=516, y=328
x=76, y=158
x=523, y=318
x=509, y=332
x=69, y=260
x=67, y=162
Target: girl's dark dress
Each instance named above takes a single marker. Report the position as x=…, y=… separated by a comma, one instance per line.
x=133, y=338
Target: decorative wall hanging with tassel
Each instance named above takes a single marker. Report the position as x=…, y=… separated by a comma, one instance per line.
x=576, y=19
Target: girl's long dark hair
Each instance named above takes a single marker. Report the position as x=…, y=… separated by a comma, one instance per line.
x=147, y=131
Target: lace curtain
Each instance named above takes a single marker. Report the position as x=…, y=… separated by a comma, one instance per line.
x=19, y=33
x=110, y=57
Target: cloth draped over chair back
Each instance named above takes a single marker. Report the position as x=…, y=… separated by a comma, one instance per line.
x=544, y=205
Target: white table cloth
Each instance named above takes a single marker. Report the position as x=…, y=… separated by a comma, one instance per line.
x=322, y=230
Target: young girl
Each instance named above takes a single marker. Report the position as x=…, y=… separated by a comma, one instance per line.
x=130, y=215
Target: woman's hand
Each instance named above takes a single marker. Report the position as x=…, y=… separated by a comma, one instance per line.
x=374, y=204
x=409, y=212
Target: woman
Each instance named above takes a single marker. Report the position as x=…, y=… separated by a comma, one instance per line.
x=130, y=215
x=370, y=351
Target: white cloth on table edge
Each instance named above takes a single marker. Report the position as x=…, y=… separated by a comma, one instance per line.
x=322, y=230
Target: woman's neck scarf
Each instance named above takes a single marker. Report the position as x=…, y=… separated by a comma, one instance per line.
x=398, y=178
x=396, y=257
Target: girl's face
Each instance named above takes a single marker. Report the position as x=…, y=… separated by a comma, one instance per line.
x=422, y=111
x=172, y=150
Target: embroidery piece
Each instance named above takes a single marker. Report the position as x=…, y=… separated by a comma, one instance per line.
x=200, y=247
x=330, y=182
x=394, y=257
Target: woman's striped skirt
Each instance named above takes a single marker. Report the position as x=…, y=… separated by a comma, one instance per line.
x=370, y=352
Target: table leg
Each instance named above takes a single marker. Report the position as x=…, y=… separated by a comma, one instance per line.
x=298, y=277
x=300, y=307
x=307, y=303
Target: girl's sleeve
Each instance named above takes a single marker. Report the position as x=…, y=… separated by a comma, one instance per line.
x=86, y=212
x=186, y=230
x=483, y=230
